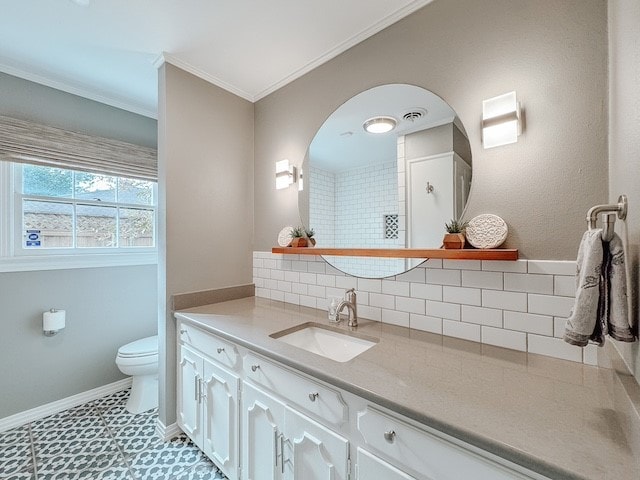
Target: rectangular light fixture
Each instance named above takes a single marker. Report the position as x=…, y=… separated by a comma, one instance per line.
x=285, y=174
x=500, y=120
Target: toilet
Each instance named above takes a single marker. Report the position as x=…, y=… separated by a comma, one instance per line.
x=139, y=359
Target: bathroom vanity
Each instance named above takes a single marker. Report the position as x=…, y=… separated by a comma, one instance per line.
x=412, y=405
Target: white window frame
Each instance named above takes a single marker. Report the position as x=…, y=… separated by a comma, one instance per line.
x=14, y=257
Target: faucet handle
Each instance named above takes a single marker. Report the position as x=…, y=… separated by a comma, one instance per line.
x=350, y=295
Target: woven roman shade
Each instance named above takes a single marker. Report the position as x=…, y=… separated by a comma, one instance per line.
x=27, y=142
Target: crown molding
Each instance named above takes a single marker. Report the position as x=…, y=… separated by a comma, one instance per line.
x=344, y=46
x=81, y=91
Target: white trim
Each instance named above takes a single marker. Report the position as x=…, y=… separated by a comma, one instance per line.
x=69, y=262
x=84, y=91
x=42, y=411
x=167, y=432
x=344, y=46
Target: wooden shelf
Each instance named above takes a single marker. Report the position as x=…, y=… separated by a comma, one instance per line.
x=453, y=254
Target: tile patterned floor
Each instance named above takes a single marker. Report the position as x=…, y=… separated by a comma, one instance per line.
x=100, y=440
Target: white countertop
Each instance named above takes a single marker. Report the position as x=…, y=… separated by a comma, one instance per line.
x=551, y=416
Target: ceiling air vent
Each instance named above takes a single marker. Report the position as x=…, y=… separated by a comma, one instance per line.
x=414, y=114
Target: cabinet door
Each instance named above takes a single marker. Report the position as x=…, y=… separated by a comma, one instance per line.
x=189, y=409
x=262, y=440
x=313, y=452
x=220, y=401
x=369, y=466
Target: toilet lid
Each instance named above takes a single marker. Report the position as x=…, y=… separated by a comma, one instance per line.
x=139, y=348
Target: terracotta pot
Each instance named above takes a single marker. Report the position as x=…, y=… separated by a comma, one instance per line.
x=453, y=240
x=299, y=242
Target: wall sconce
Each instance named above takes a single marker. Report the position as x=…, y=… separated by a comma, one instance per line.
x=285, y=174
x=501, y=123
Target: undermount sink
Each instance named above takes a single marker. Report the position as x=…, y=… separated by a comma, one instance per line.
x=323, y=340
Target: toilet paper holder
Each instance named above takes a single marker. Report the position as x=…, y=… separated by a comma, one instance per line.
x=53, y=321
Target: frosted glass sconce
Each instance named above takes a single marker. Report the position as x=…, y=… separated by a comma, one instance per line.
x=501, y=123
x=285, y=174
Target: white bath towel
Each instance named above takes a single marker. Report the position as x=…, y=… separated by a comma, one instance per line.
x=601, y=293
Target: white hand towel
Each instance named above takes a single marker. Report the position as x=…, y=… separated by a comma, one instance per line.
x=601, y=293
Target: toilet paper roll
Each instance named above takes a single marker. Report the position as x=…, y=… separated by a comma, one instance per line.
x=53, y=320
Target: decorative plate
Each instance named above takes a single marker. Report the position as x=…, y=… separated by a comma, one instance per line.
x=284, y=237
x=486, y=231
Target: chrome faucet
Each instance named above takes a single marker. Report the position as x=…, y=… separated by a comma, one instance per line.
x=352, y=308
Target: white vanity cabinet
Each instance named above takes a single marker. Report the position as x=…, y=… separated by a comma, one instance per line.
x=207, y=408
x=279, y=442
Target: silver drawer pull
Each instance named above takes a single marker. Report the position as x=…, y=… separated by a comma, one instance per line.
x=313, y=396
x=254, y=367
x=390, y=436
x=183, y=331
x=220, y=349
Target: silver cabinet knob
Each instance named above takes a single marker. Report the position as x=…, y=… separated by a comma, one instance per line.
x=220, y=350
x=313, y=396
x=183, y=331
x=254, y=367
x=390, y=436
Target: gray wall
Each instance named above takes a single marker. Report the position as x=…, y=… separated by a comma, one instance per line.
x=205, y=154
x=624, y=136
x=106, y=307
x=553, y=53
x=429, y=142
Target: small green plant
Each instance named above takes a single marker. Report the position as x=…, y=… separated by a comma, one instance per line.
x=456, y=226
x=309, y=232
x=297, y=232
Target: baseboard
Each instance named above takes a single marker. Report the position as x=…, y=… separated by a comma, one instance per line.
x=167, y=432
x=27, y=416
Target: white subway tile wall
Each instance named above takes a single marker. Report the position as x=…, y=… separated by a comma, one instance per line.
x=522, y=305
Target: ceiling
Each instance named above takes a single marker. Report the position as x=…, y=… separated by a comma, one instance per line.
x=109, y=50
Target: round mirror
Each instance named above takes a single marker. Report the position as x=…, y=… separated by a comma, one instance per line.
x=387, y=169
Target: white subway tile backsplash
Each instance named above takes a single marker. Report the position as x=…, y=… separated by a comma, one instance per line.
x=504, y=300
x=443, y=277
x=394, y=287
x=520, y=305
x=564, y=286
x=381, y=300
x=465, y=331
x=529, y=283
x=411, y=305
x=482, y=316
x=414, y=275
x=528, y=322
x=552, y=267
x=372, y=313
x=550, y=305
x=590, y=355
x=559, y=324
x=504, y=338
x=553, y=347
x=370, y=285
x=426, y=291
x=462, y=295
x=519, y=266
x=450, y=311
x=425, y=323
x=462, y=264
x=479, y=279
x=395, y=317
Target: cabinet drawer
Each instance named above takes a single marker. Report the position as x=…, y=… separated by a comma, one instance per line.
x=214, y=347
x=424, y=454
x=312, y=397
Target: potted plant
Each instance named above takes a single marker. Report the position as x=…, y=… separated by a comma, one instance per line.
x=298, y=238
x=454, y=238
x=309, y=232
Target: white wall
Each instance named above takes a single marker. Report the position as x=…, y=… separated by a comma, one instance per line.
x=106, y=307
x=205, y=155
x=624, y=136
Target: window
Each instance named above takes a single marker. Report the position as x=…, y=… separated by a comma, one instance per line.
x=62, y=218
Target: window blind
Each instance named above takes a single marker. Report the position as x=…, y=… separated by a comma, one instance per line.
x=27, y=142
